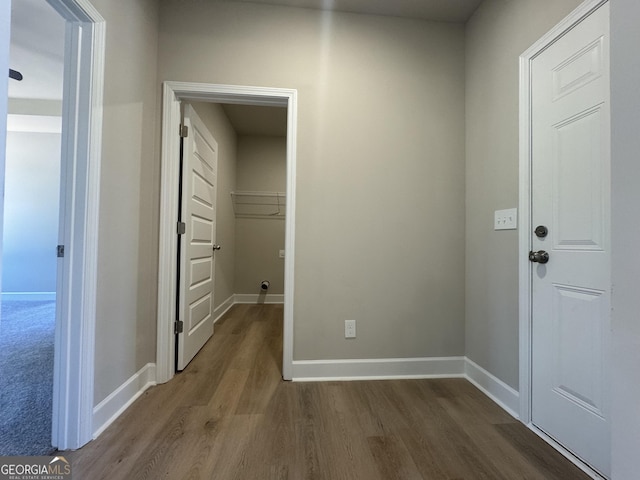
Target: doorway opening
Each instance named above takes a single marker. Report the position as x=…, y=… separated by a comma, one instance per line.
x=174, y=94
x=72, y=402
x=30, y=228
x=232, y=213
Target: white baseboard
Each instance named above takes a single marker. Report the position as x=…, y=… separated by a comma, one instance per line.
x=377, y=369
x=29, y=296
x=399, y=368
x=223, y=308
x=498, y=391
x=267, y=298
x=105, y=413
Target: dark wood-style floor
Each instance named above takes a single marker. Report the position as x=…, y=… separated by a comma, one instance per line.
x=230, y=416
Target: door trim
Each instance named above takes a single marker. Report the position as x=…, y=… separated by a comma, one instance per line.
x=173, y=93
x=80, y=186
x=524, y=236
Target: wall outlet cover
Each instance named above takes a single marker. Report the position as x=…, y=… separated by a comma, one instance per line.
x=349, y=329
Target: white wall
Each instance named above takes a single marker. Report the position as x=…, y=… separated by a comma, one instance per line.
x=262, y=166
x=32, y=195
x=496, y=35
x=625, y=130
x=380, y=185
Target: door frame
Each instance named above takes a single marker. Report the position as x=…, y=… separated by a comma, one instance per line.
x=73, y=381
x=74, y=370
x=173, y=94
x=525, y=269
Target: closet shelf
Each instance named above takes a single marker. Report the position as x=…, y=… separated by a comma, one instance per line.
x=259, y=204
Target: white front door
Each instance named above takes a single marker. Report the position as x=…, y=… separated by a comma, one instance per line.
x=571, y=198
x=199, y=182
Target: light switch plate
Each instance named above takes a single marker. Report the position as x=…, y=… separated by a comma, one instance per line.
x=506, y=219
x=281, y=253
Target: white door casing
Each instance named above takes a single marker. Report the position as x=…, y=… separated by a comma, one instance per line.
x=197, y=268
x=173, y=94
x=569, y=303
x=79, y=206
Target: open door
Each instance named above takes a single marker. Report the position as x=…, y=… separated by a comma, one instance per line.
x=197, y=234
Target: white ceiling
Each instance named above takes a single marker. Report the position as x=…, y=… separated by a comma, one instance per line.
x=436, y=10
x=37, y=50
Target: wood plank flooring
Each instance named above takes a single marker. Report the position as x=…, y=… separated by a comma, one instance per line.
x=229, y=415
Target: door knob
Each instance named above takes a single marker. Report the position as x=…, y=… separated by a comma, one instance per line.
x=216, y=247
x=539, y=257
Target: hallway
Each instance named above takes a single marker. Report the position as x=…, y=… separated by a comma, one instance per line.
x=229, y=415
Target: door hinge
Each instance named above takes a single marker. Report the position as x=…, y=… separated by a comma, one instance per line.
x=178, y=327
x=184, y=131
x=182, y=228
x=60, y=251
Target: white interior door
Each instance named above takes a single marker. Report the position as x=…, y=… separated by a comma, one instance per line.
x=571, y=198
x=199, y=182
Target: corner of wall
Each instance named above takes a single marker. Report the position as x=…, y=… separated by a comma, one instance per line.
x=108, y=410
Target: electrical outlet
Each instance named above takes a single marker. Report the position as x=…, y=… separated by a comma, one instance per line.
x=506, y=219
x=349, y=329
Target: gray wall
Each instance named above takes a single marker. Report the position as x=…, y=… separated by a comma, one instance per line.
x=262, y=166
x=380, y=224
x=129, y=205
x=496, y=35
x=625, y=128
x=32, y=196
x=218, y=124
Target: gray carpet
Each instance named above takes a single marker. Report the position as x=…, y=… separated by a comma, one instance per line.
x=26, y=377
